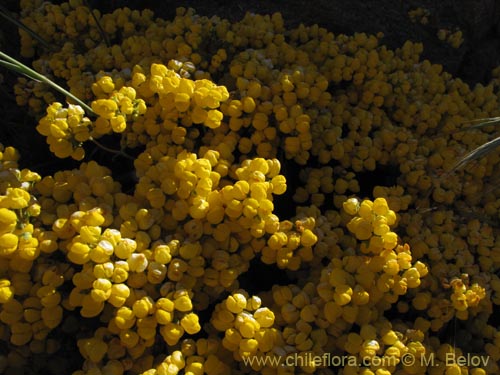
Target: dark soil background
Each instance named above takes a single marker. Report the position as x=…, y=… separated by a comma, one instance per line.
x=479, y=21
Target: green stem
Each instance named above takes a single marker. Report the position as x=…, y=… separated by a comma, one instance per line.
x=19, y=67
x=117, y=152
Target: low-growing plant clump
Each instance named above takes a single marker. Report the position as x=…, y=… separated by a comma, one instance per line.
x=257, y=151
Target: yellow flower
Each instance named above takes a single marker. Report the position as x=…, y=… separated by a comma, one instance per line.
x=6, y=291
x=214, y=118
x=172, y=332
x=351, y=206
x=182, y=101
x=190, y=323
x=183, y=303
x=118, y=124
x=106, y=108
x=16, y=198
x=106, y=84
x=126, y=106
x=8, y=243
x=8, y=220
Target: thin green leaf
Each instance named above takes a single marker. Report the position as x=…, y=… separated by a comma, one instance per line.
x=5, y=14
x=101, y=30
x=33, y=74
x=15, y=68
x=8, y=58
x=484, y=122
x=478, y=153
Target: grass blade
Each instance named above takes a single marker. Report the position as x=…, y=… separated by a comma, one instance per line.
x=483, y=122
x=15, y=68
x=478, y=153
x=101, y=30
x=19, y=67
x=5, y=14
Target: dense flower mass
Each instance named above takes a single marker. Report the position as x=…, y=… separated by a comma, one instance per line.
x=325, y=158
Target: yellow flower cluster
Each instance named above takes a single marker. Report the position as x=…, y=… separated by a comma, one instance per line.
x=464, y=297
x=199, y=99
x=248, y=327
x=318, y=184
x=18, y=206
x=234, y=207
x=420, y=15
x=29, y=298
x=133, y=328
x=66, y=129
x=372, y=221
x=453, y=38
x=176, y=104
x=193, y=357
x=148, y=281
x=115, y=108
x=356, y=287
